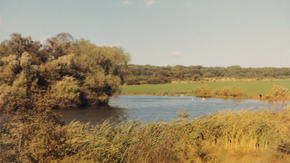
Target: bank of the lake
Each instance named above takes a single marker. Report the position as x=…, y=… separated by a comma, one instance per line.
x=150, y=108
x=251, y=88
x=224, y=136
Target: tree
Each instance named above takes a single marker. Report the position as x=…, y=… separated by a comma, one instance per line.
x=196, y=77
x=207, y=75
x=59, y=45
x=80, y=74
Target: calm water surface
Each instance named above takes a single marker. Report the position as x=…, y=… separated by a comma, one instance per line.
x=154, y=108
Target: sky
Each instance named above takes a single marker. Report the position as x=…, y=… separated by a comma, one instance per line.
x=211, y=33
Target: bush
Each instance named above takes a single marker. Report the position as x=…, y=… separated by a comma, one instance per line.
x=202, y=91
x=196, y=77
x=63, y=73
x=217, y=92
x=132, y=82
x=233, y=91
x=155, y=81
x=278, y=93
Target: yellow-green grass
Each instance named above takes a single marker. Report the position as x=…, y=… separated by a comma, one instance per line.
x=251, y=88
x=225, y=136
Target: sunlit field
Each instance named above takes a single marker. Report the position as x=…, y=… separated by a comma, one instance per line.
x=251, y=88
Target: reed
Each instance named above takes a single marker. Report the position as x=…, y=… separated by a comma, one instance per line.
x=225, y=136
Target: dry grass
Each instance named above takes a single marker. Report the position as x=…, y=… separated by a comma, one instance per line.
x=225, y=136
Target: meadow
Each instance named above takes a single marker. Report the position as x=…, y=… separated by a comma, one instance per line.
x=251, y=88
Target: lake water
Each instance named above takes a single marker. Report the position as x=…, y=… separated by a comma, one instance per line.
x=154, y=108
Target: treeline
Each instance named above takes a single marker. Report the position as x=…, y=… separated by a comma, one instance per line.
x=147, y=74
x=63, y=72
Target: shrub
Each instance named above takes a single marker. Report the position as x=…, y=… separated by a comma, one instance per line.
x=155, y=81
x=202, y=91
x=225, y=91
x=132, y=82
x=196, y=77
x=278, y=93
x=207, y=75
x=217, y=92
x=235, y=91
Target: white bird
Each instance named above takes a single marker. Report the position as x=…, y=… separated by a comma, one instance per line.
x=203, y=99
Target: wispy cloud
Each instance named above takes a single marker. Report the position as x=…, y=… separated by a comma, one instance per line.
x=43, y=39
x=126, y=2
x=115, y=45
x=175, y=54
x=149, y=2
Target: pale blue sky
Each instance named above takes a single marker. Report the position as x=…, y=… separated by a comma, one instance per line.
x=249, y=33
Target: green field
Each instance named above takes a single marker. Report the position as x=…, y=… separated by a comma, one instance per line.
x=248, y=87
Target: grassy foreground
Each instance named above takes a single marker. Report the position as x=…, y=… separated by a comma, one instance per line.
x=252, y=88
x=225, y=136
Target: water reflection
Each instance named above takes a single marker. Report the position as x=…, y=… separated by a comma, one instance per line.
x=236, y=100
x=154, y=108
x=94, y=115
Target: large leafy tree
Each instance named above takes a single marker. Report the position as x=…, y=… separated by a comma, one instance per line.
x=64, y=72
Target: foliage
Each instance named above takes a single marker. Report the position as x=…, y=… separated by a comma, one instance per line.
x=196, y=77
x=132, y=81
x=233, y=91
x=32, y=135
x=160, y=80
x=62, y=73
x=188, y=73
x=225, y=136
x=206, y=91
x=202, y=91
x=278, y=93
x=277, y=97
x=251, y=88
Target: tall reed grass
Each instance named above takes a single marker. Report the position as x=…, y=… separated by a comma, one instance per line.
x=225, y=136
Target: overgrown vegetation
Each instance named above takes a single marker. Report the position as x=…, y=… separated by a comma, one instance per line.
x=147, y=74
x=62, y=73
x=225, y=136
x=251, y=88
x=277, y=97
x=37, y=135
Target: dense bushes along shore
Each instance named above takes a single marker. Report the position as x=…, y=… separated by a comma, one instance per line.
x=62, y=73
